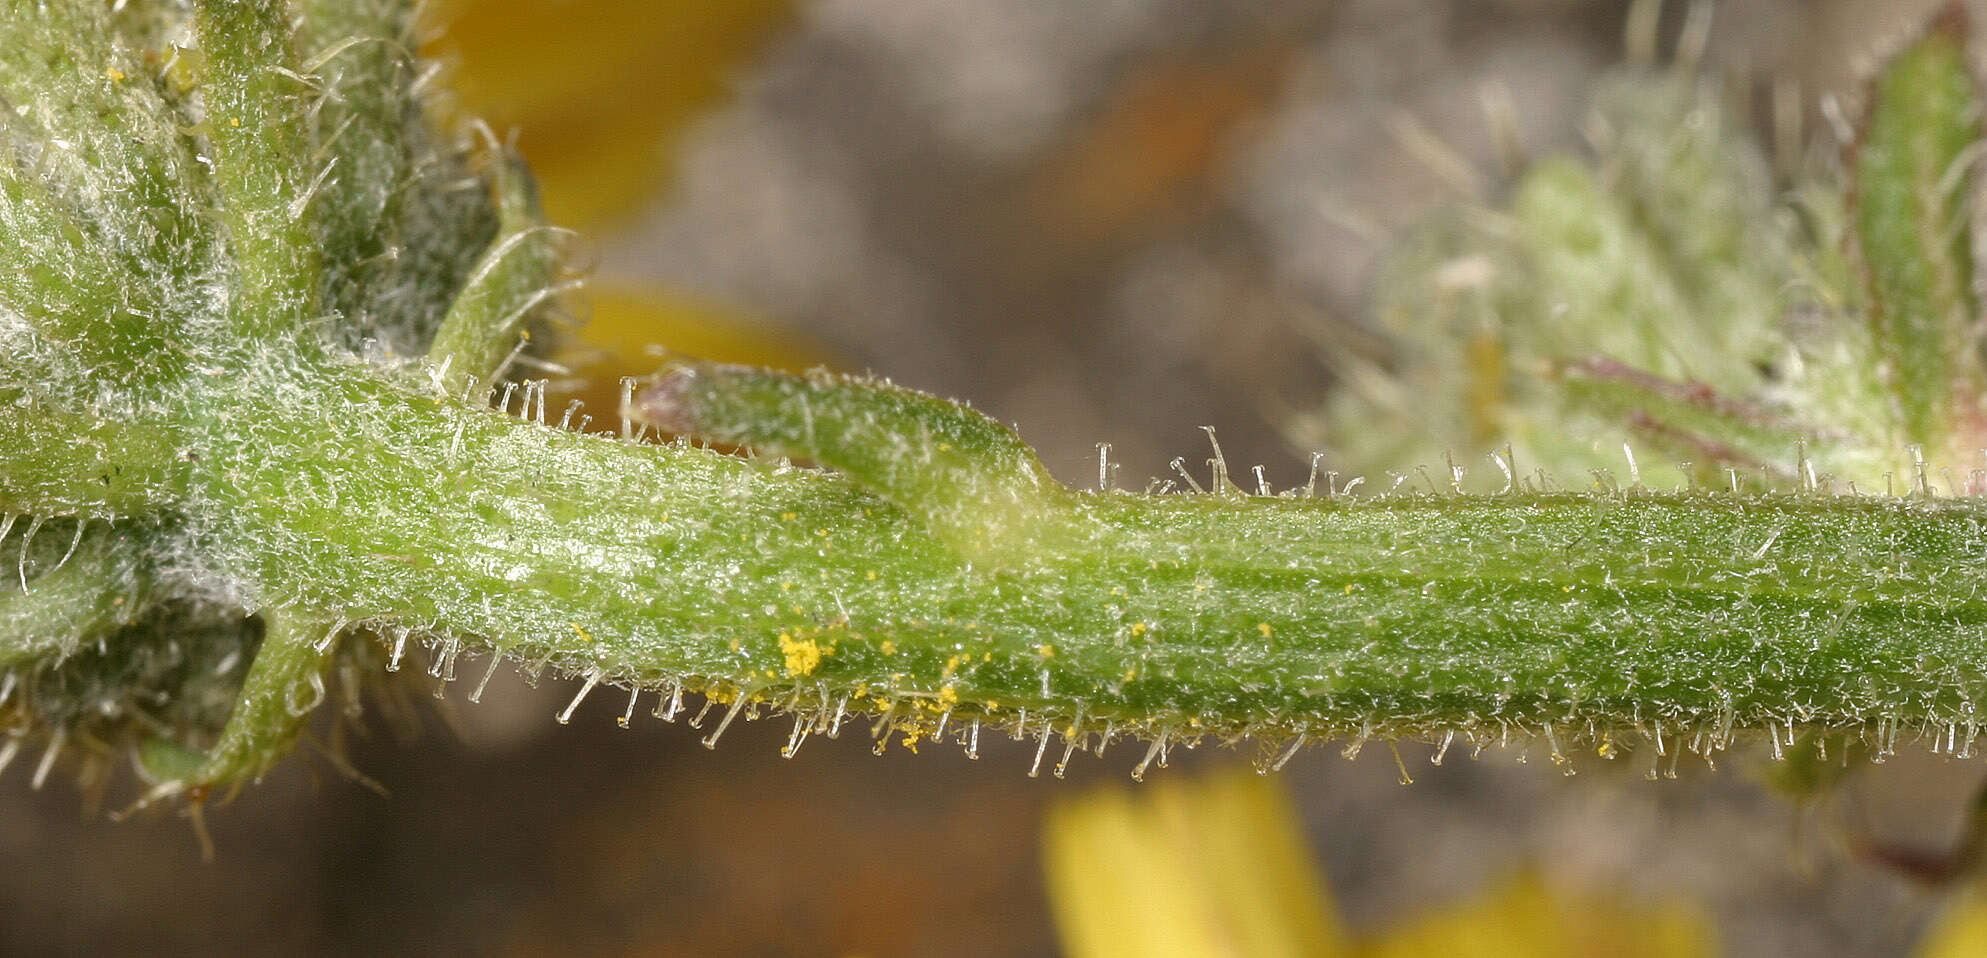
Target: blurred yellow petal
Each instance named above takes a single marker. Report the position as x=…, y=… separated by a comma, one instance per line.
x=628, y=321
x=1216, y=866
x=631, y=328
x=600, y=92
x=1961, y=932
x=1523, y=918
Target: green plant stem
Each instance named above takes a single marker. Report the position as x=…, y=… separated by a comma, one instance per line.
x=255, y=128
x=226, y=257
x=667, y=567
x=86, y=466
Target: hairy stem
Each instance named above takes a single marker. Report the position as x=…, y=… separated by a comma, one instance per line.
x=228, y=261
x=672, y=567
x=255, y=117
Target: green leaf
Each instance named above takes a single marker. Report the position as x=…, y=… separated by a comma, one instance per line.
x=282, y=688
x=509, y=286
x=1912, y=190
x=969, y=479
x=401, y=214
x=1691, y=422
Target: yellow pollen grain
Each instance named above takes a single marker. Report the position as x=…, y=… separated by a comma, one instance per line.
x=803, y=656
x=871, y=574
x=234, y=121
x=114, y=75
x=1138, y=629
x=888, y=647
x=1348, y=588
x=1264, y=628
x=947, y=695
x=582, y=633
x=789, y=516
x=1046, y=651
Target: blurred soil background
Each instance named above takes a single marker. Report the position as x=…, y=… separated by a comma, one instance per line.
x=1113, y=220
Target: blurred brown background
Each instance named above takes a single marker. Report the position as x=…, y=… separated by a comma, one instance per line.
x=1104, y=221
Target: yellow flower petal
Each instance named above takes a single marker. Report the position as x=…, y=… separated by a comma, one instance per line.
x=1961, y=932
x=1523, y=918
x=600, y=92
x=1214, y=866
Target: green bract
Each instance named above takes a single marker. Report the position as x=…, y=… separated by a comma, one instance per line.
x=256, y=324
